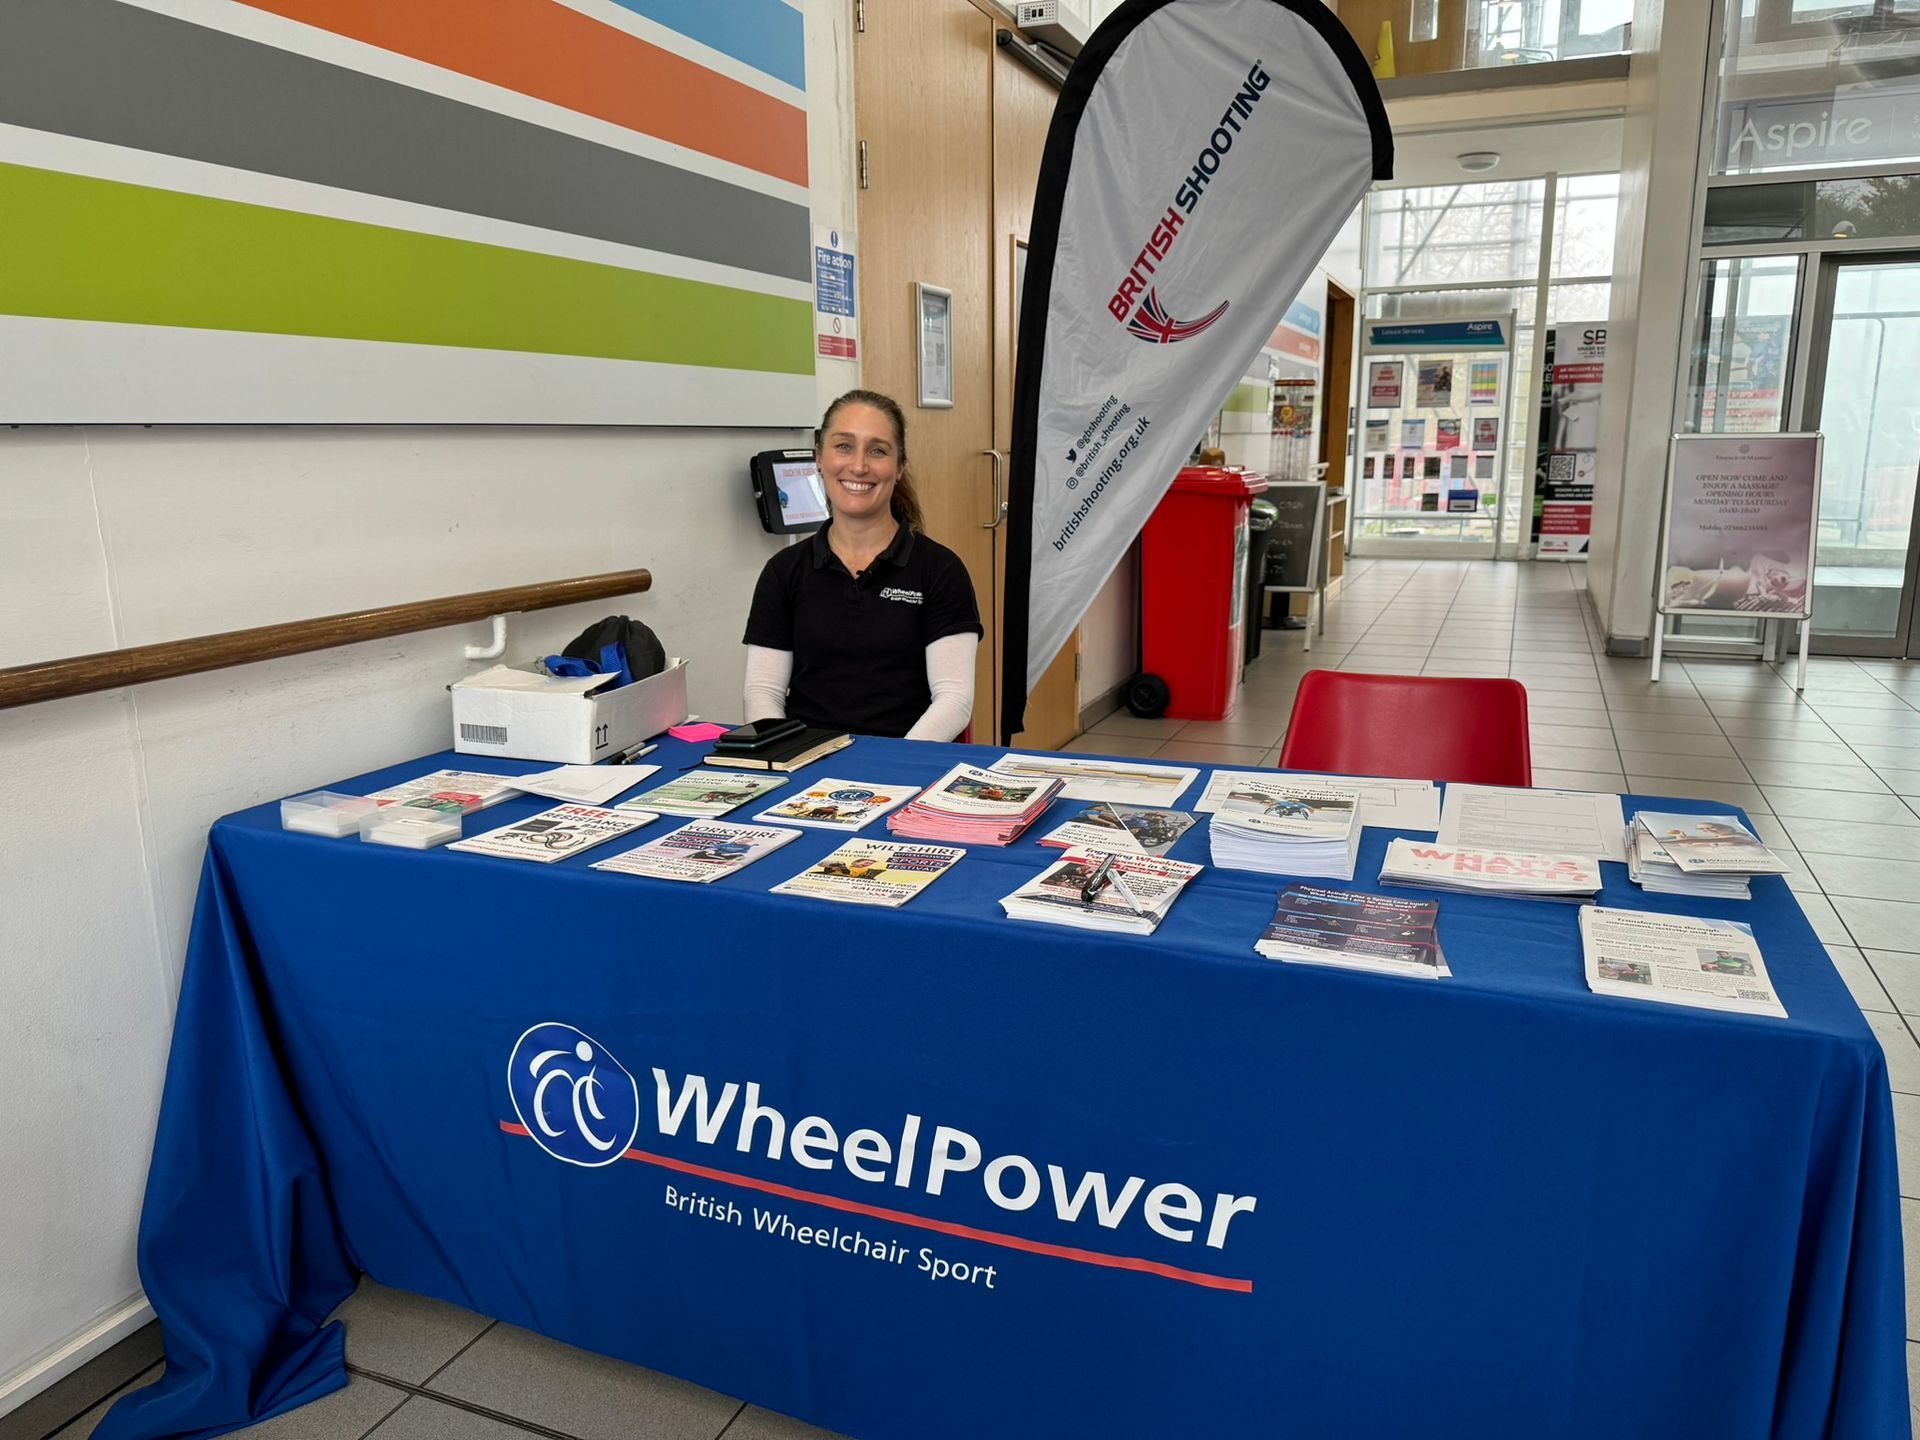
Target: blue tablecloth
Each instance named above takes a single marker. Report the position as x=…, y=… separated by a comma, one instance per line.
x=1495, y=1205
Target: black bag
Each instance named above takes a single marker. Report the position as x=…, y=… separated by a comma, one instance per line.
x=645, y=655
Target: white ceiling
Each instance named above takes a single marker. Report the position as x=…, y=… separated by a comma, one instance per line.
x=1527, y=148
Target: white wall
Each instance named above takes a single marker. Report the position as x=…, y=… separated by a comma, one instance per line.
x=117, y=536
x=1646, y=328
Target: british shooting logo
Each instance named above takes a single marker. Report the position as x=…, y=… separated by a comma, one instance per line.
x=577, y=1102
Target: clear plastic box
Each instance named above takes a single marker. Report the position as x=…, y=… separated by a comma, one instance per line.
x=326, y=812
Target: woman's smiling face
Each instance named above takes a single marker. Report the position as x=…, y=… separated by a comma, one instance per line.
x=859, y=461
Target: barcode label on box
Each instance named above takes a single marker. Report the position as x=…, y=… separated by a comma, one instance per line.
x=483, y=734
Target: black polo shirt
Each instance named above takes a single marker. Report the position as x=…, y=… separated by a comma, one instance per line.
x=859, y=642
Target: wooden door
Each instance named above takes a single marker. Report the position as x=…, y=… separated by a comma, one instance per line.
x=923, y=95
x=1022, y=109
x=1337, y=397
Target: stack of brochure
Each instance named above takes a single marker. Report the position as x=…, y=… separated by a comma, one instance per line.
x=1104, y=825
x=1123, y=891
x=1317, y=926
x=838, y=804
x=703, y=795
x=701, y=852
x=1281, y=827
x=1677, y=960
x=1706, y=855
x=1419, y=865
x=454, y=792
x=969, y=805
x=557, y=833
x=873, y=872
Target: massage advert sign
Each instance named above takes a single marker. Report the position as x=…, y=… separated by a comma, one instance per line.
x=1740, y=524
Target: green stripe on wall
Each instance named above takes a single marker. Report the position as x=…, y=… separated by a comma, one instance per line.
x=77, y=248
x=1250, y=398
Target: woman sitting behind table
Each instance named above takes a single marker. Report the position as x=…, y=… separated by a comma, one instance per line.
x=867, y=625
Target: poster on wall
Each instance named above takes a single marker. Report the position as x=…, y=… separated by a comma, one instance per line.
x=1436, y=384
x=1571, y=372
x=1384, y=384
x=1739, y=524
x=1483, y=383
x=1413, y=434
x=1409, y=466
x=836, y=328
x=1379, y=434
x=1446, y=434
x=1366, y=468
x=1486, y=432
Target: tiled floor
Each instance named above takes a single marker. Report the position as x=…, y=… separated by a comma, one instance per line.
x=1832, y=780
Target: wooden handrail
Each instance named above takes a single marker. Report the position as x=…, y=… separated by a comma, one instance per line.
x=137, y=664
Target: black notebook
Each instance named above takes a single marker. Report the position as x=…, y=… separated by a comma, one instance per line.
x=790, y=754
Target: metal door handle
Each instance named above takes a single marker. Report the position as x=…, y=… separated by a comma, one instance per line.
x=999, y=493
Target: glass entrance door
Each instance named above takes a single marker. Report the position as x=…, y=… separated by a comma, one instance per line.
x=1862, y=394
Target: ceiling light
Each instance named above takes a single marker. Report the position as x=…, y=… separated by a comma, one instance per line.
x=1478, y=162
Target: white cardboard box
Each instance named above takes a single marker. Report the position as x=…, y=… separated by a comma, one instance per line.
x=566, y=729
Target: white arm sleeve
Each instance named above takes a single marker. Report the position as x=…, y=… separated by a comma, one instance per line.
x=768, y=674
x=950, y=678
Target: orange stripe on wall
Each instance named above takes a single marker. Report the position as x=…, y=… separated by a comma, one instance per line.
x=555, y=54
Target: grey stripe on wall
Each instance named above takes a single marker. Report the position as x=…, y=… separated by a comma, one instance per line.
x=98, y=70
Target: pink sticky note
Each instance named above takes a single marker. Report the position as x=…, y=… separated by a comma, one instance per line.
x=705, y=730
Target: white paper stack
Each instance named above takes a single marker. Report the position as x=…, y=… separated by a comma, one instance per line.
x=968, y=805
x=1712, y=856
x=1677, y=960
x=1128, y=892
x=1420, y=865
x=1278, y=826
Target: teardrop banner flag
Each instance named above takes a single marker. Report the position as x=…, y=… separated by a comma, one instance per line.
x=1202, y=156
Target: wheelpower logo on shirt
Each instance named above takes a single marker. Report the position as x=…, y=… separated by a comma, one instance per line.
x=1150, y=321
x=576, y=1101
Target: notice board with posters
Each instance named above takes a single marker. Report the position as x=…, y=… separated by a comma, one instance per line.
x=1568, y=437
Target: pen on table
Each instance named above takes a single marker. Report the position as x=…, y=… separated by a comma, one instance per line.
x=1096, y=882
x=634, y=754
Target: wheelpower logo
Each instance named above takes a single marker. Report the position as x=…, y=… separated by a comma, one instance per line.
x=1136, y=302
x=575, y=1100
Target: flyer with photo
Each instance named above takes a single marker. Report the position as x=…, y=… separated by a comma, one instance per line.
x=704, y=794
x=838, y=804
x=1105, y=825
x=701, y=852
x=557, y=833
x=1677, y=960
x=873, y=872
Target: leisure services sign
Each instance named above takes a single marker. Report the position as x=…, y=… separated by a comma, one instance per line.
x=582, y=1106
x=1202, y=156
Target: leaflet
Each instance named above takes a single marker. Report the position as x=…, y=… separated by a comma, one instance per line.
x=839, y=804
x=456, y=792
x=584, y=784
x=557, y=833
x=1506, y=872
x=1132, y=894
x=704, y=794
x=1107, y=826
x=1119, y=781
x=1539, y=822
x=1391, y=804
x=1319, y=926
x=1677, y=960
x=1709, y=844
x=701, y=852
x=873, y=872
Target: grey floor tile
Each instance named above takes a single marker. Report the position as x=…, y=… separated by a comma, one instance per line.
x=1794, y=751
x=1687, y=767
x=1899, y=975
x=1901, y=781
x=1723, y=792
x=424, y=1419
x=1895, y=754
x=1816, y=777
x=1880, y=924
x=22, y=1425
x=1906, y=1136
x=346, y=1414
x=1674, y=742
x=1576, y=757
x=74, y=1394
x=1789, y=801
x=1865, y=876
x=1825, y=920
x=1862, y=977
x=529, y=1377
x=1246, y=726
x=1097, y=743
x=1688, y=722
x=1591, y=736
x=1852, y=837
x=1910, y=1238
x=1124, y=722
x=1903, y=1057
x=1805, y=727
x=757, y=1424
x=402, y=1336
x=1545, y=715
x=1181, y=749
x=1609, y=782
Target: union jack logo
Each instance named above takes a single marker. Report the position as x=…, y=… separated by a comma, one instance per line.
x=1153, y=324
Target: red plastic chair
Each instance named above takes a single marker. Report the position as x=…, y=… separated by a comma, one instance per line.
x=1415, y=726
